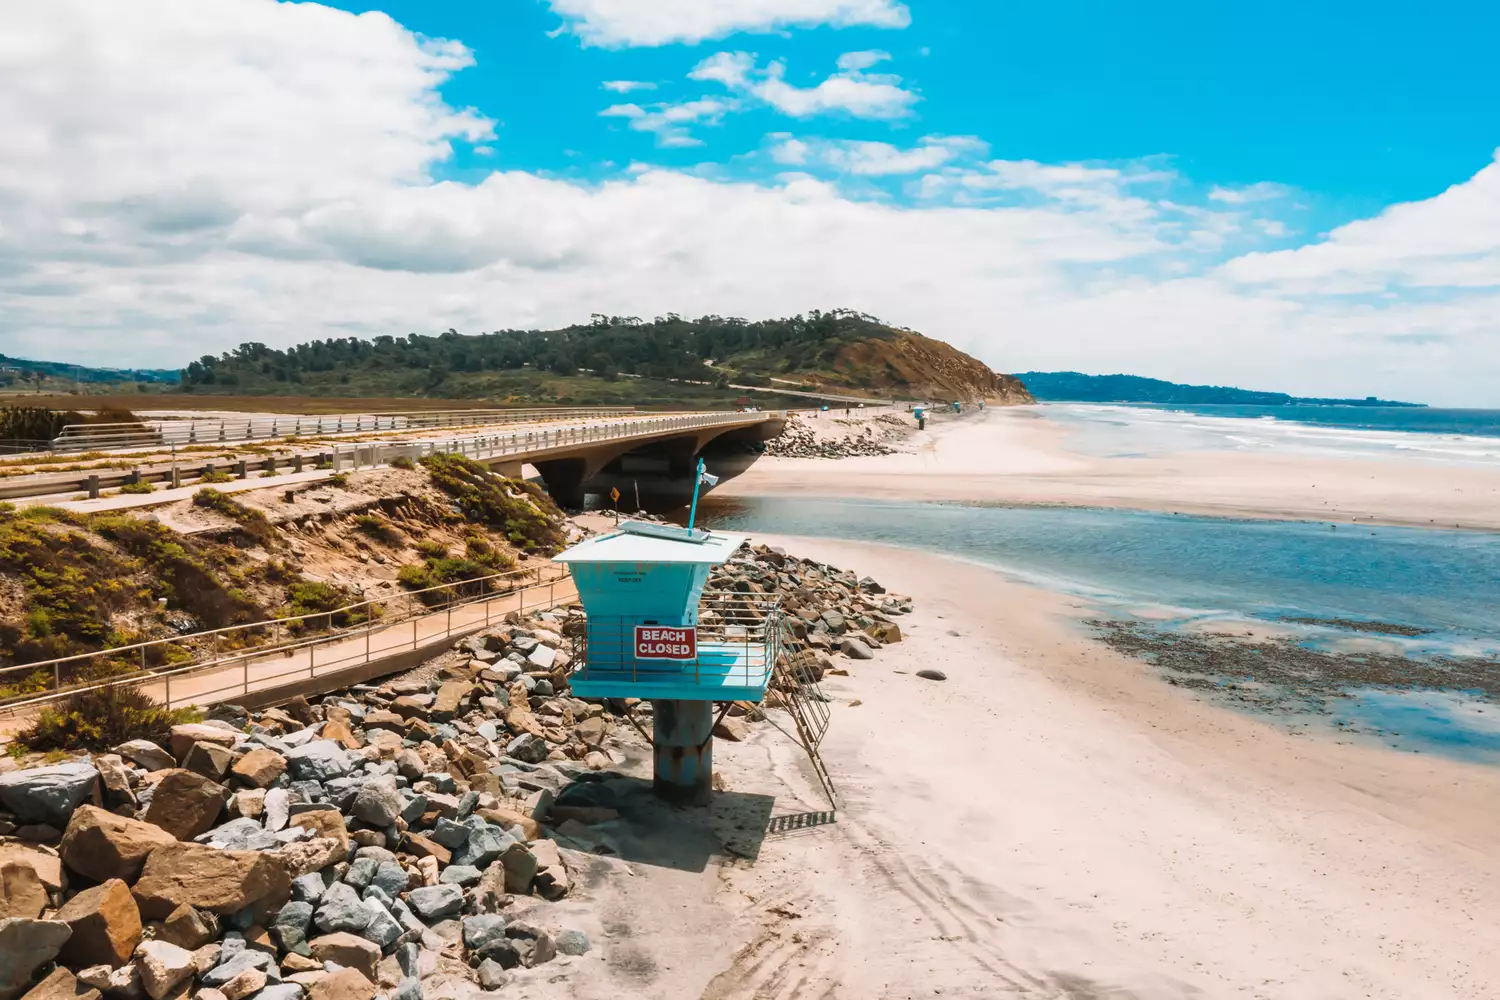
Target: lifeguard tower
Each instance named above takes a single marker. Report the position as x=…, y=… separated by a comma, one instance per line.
x=655, y=633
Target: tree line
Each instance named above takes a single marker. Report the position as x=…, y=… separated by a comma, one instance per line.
x=665, y=347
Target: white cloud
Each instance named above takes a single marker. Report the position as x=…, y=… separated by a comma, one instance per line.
x=877, y=159
x=732, y=69
x=669, y=121
x=183, y=175
x=1451, y=241
x=851, y=90
x=855, y=61
x=627, y=86
x=1261, y=191
x=660, y=22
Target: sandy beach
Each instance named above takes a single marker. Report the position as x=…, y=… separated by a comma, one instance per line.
x=1018, y=455
x=1054, y=821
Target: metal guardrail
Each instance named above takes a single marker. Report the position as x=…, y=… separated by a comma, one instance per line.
x=738, y=643
x=356, y=455
x=431, y=613
x=166, y=433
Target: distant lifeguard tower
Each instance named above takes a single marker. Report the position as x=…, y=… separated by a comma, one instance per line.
x=655, y=633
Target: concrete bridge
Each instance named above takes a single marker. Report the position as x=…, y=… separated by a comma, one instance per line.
x=653, y=454
x=653, y=457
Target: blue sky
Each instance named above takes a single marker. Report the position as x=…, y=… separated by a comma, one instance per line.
x=1357, y=104
x=1301, y=197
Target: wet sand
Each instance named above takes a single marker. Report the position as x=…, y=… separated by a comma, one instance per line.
x=1055, y=821
x=1016, y=455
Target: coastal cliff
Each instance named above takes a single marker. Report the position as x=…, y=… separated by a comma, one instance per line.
x=907, y=363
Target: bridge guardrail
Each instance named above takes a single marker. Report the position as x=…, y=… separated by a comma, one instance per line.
x=230, y=430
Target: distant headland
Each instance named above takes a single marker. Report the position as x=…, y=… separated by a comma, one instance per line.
x=1080, y=388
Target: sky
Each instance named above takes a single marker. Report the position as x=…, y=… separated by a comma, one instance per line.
x=1293, y=196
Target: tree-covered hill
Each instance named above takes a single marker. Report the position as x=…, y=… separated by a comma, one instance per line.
x=838, y=350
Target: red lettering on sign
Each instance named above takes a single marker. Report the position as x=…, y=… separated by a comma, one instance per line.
x=661, y=642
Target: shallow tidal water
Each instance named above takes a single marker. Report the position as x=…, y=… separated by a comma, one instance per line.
x=1431, y=596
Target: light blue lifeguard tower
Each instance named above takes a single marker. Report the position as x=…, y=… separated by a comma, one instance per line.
x=654, y=634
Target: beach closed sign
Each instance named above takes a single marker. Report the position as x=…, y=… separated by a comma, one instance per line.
x=666, y=642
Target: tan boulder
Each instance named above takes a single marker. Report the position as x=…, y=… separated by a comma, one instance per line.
x=520, y=720
x=48, y=866
x=249, y=981
x=21, y=891
x=103, y=846
x=209, y=879
x=208, y=759
x=185, y=735
x=188, y=927
x=61, y=985
x=259, y=768
x=334, y=730
x=349, y=950
x=345, y=984
x=164, y=967
x=185, y=804
x=324, y=823
x=106, y=926
x=511, y=817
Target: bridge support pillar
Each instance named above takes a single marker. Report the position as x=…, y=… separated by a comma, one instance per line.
x=683, y=764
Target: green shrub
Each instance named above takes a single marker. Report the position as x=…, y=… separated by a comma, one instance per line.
x=430, y=548
x=252, y=521
x=102, y=718
x=379, y=529
x=525, y=514
x=139, y=486
x=217, y=476
x=403, y=462
x=323, y=605
x=339, y=479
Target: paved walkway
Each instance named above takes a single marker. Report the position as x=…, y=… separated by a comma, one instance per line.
x=228, y=680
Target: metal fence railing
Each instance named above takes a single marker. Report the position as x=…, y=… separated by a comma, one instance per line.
x=229, y=430
x=738, y=642
x=260, y=655
x=521, y=444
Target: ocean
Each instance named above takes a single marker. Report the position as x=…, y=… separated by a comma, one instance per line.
x=1371, y=606
x=1138, y=430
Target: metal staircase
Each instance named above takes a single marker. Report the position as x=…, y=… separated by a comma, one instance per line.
x=797, y=691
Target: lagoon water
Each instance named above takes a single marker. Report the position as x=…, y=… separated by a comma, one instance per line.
x=1178, y=570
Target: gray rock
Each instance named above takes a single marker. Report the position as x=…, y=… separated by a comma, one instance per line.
x=527, y=747
x=408, y=920
x=542, y=657
x=308, y=888
x=319, y=760
x=290, y=926
x=48, y=794
x=467, y=803
x=360, y=872
x=524, y=644
x=932, y=675
x=383, y=928
x=855, y=649
x=461, y=875
x=278, y=809
x=26, y=945
x=409, y=988
x=280, y=991
x=433, y=902
x=409, y=957
x=491, y=974
x=450, y=833
x=485, y=844
x=341, y=909
x=543, y=688
x=573, y=943
x=379, y=801
x=379, y=855
x=482, y=931
x=146, y=754
x=242, y=835
x=416, y=805
x=390, y=878
x=248, y=959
